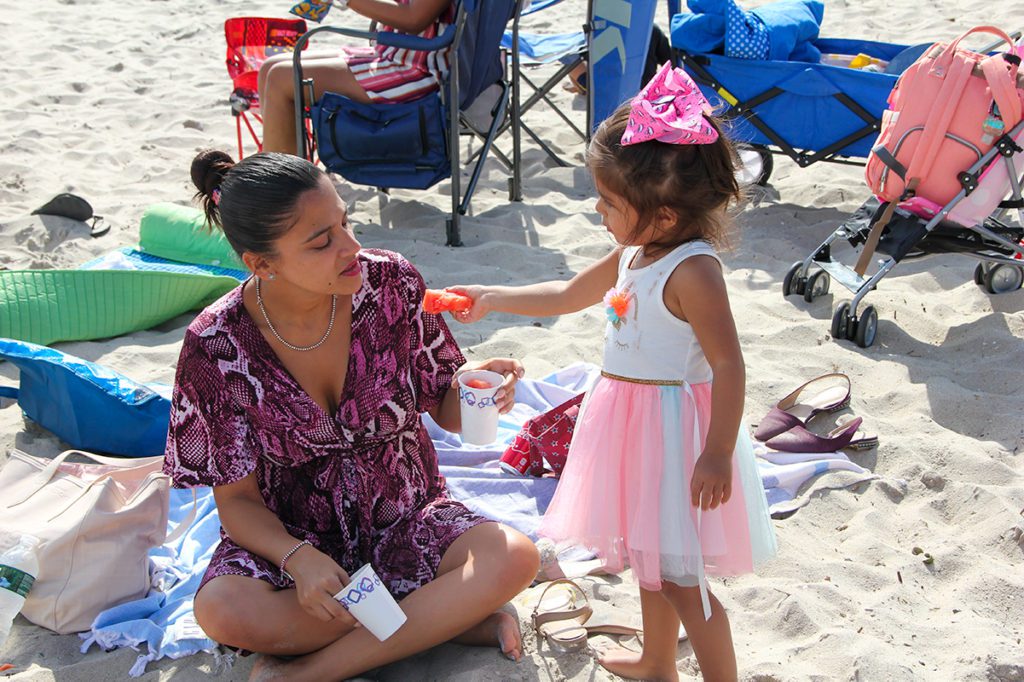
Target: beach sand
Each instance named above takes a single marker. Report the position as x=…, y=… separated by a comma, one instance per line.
x=112, y=100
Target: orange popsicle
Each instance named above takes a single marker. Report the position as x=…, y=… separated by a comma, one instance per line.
x=439, y=301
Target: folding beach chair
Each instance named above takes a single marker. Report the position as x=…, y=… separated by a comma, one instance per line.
x=251, y=40
x=414, y=145
x=567, y=51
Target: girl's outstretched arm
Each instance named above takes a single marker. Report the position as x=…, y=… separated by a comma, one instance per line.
x=696, y=293
x=546, y=298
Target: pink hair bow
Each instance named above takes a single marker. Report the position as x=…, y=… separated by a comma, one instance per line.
x=669, y=109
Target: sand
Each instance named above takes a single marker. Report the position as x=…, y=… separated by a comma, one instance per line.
x=112, y=101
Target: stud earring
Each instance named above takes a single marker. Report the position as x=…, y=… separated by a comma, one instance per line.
x=271, y=276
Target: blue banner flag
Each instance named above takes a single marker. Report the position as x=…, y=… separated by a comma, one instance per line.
x=620, y=35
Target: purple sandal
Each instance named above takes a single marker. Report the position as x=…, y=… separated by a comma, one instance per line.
x=791, y=412
x=799, y=439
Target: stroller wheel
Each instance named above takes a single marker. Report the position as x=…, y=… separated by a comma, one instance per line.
x=867, y=327
x=979, y=274
x=1003, y=278
x=817, y=285
x=790, y=283
x=841, y=322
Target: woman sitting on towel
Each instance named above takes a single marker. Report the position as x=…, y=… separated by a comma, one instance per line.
x=298, y=398
x=364, y=74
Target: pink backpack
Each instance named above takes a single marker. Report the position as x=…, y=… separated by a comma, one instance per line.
x=940, y=120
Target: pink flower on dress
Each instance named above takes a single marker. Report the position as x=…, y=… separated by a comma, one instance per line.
x=616, y=305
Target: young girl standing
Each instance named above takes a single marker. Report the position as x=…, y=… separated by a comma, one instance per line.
x=660, y=475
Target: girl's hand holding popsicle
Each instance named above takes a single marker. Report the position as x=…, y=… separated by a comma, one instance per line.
x=477, y=308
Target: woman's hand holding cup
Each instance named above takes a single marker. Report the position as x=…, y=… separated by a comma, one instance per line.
x=317, y=579
x=510, y=368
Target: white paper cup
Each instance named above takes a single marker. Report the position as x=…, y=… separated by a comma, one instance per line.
x=369, y=602
x=479, y=411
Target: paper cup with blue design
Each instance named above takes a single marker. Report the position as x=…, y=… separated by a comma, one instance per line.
x=479, y=409
x=369, y=602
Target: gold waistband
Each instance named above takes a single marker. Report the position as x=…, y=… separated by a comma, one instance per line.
x=649, y=382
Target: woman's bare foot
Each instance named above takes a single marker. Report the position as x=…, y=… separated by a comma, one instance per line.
x=271, y=668
x=631, y=665
x=499, y=629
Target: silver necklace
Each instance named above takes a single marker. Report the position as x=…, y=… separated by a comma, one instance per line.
x=330, y=325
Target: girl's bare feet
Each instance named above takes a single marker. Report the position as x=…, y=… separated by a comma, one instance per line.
x=499, y=629
x=631, y=665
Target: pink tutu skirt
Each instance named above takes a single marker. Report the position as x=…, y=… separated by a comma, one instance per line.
x=625, y=490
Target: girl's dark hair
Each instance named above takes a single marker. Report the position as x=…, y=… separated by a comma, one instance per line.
x=253, y=200
x=697, y=182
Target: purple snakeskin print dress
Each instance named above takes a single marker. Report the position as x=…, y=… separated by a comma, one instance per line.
x=363, y=485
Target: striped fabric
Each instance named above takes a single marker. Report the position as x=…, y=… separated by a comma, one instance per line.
x=390, y=74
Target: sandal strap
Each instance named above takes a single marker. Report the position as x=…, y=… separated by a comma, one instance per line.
x=540, y=618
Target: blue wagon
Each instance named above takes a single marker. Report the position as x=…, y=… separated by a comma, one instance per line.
x=808, y=111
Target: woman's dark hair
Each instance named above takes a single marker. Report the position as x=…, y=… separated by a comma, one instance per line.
x=697, y=182
x=253, y=200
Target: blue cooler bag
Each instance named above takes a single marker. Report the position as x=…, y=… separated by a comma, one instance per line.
x=400, y=145
x=86, y=405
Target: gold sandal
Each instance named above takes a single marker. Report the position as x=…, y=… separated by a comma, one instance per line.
x=562, y=625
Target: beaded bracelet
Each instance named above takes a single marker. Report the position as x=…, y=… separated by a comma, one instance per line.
x=291, y=551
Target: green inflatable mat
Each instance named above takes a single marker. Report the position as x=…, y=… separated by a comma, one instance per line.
x=179, y=233
x=46, y=306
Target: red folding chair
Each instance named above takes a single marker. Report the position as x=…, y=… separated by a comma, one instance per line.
x=251, y=40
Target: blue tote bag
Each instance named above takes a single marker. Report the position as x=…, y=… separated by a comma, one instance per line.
x=88, y=406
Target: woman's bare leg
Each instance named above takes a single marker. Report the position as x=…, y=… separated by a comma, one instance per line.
x=487, y=566
x=250, y=614
x=711, y=639
x=286, y=58
x=277, y=95
x=657, y=661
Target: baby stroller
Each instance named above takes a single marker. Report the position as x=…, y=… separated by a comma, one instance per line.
x=920, y=228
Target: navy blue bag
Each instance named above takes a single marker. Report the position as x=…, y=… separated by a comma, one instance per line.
x=399, y=145
x=88, y=406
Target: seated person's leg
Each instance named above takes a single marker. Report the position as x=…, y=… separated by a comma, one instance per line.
x=249, y=613
x=307, y=55
x=481, y=570
x=277, y=100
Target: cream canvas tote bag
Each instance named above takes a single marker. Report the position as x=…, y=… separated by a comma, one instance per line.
x=96, y=523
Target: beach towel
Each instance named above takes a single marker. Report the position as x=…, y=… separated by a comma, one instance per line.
x=785, y=476
x=790, y=25
x=46, y=306
x=164, y=620
x=163, y=623
x=128, y=258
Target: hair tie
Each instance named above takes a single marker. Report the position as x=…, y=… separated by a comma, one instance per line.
x=669, y=109
x=215, y=195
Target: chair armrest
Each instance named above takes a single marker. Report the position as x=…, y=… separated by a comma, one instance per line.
x=349, y=32
x=411, y=42
x=388, y=38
